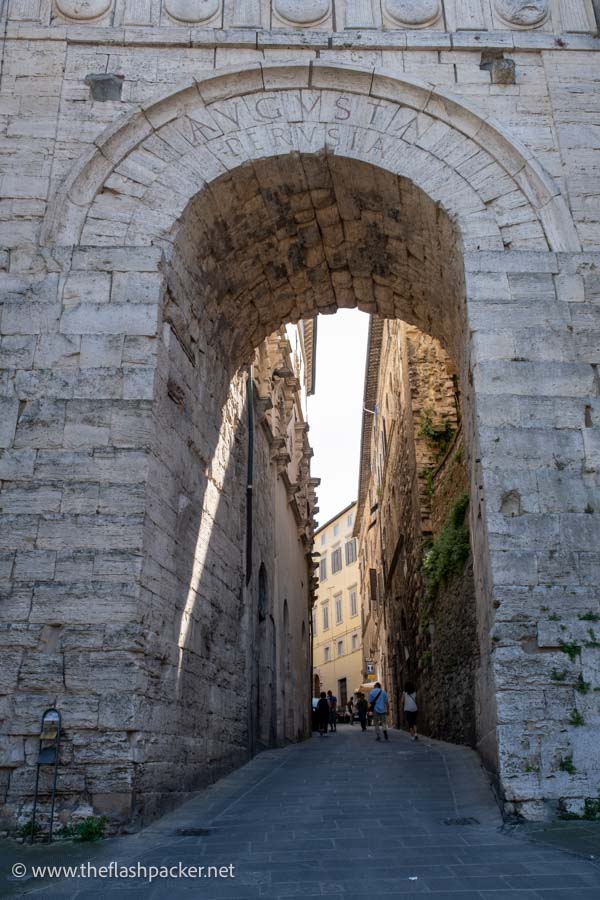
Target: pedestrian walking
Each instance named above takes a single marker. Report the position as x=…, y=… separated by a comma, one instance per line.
x=409, y=704
x=351, y=710
x=332, y=711
x=323, y=714
x=379, y=704
x=362, y=708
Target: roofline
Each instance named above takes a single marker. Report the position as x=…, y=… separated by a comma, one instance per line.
x=313, y=367
x=333, y=518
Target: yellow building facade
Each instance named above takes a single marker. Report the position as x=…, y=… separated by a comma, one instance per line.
x=337, y=613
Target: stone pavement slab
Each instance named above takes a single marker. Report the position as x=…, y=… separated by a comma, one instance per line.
x=336, y=816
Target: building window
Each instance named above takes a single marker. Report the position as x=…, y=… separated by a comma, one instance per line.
x=336, y=560
x=314, y=621
x=325, y=616
x=355, y=642
x=323, y=570
x=323, y=539
x=336, y=529
x=349, y=520
x=351, y=552
x=338, y=609
x=340, y=648
x=326, y=654
x=353, y=602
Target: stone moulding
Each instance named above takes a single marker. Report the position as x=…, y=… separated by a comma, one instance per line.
x=413, y=13
x=83, y=10
x=522, y=13
x=192, y=10
x=302, y=12
x=69, y=207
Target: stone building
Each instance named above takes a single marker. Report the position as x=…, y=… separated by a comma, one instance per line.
x=179, y=180
x=226, y=668
x=415, y=564
x=337, y=614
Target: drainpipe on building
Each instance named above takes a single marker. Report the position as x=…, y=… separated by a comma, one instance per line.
x=250, y=471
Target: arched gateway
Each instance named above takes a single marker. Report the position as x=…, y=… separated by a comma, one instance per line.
x=266, y=194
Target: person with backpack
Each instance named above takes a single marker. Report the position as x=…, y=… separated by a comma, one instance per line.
x=409, y=704
x=378, y=700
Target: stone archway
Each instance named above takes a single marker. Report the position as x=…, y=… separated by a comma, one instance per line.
x=259, y=196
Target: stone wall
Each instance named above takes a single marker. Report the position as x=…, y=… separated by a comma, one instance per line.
x=446, y=178
x=154, y=678
x=416, y=476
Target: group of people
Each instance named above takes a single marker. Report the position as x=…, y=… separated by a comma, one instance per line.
x=377, y=704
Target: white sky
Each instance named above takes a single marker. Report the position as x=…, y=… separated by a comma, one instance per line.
x=335, y=411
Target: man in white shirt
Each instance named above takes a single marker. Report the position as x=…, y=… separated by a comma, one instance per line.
x=379, y=704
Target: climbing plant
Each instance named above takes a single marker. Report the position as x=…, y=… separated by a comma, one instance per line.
x=449, y=551
x=438, y=435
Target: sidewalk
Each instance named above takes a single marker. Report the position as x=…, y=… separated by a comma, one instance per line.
x=341, y=815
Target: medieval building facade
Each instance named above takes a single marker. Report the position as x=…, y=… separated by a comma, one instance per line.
x=414, y=550
x=181, y=179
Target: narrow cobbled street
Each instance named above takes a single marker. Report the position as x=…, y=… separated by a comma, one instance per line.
x=341, y=815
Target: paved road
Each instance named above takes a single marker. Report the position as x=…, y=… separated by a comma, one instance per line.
x=344, y=815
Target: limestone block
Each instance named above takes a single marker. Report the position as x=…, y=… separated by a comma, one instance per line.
x=138, y=382
x=140, y=350
x=56, y=350
x=35, y=565
x=580, y=531
x=101, y=747
x=143, y=287
x=30, y=318
x=16, y=351
x=9, y=411
x=101, y=351
x=79, y=499
x=139, y=318
x=117, y=467
x=120, y=564
x=131, y=425
x=86, y=287
x=11, y=663
x=15, y=603
x=513, y=567
x=41, y=672
x=134, y=259
x=74, y=565
x=87, y=424
x=101, y=672
x=19, y=531
x=11, y=751
x=16, y=465
x=82, y=603
x=41, y=424
x=52, y=384
x=6, y=565
x=591, y=444
x=99, y=533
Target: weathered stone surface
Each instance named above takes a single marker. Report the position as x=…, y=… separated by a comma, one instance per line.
x=132, y=293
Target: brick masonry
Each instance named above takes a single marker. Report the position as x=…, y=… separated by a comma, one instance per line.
x=172, y=230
